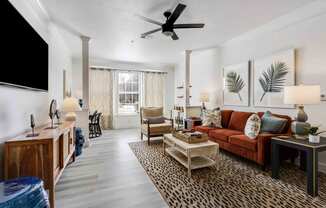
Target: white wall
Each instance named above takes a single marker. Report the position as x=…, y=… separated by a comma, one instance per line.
x=204, y=73
x=128, y=121
x=307, y=34
x=17, y=104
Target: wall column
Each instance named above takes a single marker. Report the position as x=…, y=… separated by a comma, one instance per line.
x=187, y=78
x=85, y=69
x=83, y=115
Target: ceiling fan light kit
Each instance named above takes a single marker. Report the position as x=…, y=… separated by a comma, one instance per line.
x=168, y=27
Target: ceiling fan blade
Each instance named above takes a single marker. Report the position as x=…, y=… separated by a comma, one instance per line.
x=174, y=36
x=185, y=26
x=176, y=13
x=149, y=20
x=150, y=32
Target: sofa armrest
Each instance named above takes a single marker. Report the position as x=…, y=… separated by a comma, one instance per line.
x=264, y=146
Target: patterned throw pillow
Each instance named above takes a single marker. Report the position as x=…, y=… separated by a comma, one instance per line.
x=212, y=118
x=252, y=128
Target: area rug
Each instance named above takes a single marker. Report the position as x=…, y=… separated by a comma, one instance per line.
x=234, y=182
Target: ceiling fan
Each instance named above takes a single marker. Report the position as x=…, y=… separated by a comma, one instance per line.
x=168, y=27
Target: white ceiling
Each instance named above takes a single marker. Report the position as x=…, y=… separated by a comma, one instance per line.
x=115, y=31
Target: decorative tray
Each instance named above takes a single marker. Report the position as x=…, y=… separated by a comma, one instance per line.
x=191, y=137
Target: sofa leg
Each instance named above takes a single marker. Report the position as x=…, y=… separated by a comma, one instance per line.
x=263, y=167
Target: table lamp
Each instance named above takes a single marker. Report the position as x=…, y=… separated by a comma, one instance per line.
x=70, y=106
x=204, y=97
x=301, y=95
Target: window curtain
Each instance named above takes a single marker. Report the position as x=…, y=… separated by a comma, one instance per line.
x=153, y=89
x=101, y=95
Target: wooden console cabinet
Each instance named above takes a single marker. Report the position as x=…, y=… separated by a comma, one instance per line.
x=44, y=156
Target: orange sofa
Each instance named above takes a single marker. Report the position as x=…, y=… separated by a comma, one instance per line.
x=232, y=138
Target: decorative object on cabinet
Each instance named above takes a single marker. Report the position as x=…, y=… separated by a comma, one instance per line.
x=24, y=192
x=236, y=85
x=44, y=156
x=52, y=110
x=271, y=75
x=58, y=115
x=70, y=106
x=33, y=134
x=301, y=95
x=80, y=140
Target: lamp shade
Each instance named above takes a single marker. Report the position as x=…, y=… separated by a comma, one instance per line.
x=204, y=97
x=70, y=104
x=302, y=94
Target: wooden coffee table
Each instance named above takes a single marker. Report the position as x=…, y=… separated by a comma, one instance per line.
x=192, y=156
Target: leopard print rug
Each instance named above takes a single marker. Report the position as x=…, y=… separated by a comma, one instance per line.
x=234, y=182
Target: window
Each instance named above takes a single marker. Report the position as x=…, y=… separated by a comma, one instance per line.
x=128, y=92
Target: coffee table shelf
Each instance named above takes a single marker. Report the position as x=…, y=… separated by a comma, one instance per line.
x=191, y=156
x=196, y=162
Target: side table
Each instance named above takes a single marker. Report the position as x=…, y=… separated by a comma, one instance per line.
x=310, y=150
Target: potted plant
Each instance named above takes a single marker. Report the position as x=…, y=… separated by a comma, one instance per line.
x=314, y=134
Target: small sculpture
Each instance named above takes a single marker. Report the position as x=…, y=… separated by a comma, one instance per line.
x=52, y=111
x=33, y=134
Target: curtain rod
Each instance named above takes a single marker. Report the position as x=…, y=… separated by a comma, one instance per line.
x=126, y=70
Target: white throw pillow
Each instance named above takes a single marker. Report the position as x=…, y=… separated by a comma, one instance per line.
x=212, y=118
x=252, y=128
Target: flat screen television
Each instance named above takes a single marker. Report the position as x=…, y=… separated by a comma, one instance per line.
x=24, y=58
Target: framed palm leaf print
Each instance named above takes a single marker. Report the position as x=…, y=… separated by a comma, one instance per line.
x=271, y=75
x=236, y=85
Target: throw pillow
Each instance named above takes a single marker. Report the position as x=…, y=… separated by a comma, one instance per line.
x=212, y=118
x=156, y=120
x=252, y=128
x=272, y=124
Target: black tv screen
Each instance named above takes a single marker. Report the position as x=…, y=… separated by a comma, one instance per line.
x=24, y=59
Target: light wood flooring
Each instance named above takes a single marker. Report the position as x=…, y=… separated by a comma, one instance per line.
x=108, y=175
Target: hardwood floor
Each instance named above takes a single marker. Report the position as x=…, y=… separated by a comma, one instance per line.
x=108, y=175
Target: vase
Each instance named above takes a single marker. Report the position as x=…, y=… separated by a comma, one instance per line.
x=314, y=138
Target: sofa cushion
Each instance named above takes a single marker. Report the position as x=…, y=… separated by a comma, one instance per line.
x=272, y=124
x=244, y=141
x=212, y=118
x=238, y=120
x=226, y=115
x=223, y=134
x=204, y=129
x=287, y=128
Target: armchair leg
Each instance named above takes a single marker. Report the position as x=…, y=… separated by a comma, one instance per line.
x=148, y=141
x=141, y=136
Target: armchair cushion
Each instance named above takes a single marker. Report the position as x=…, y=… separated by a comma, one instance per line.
x=156, y=120
x=157, y=129
x=148, y=112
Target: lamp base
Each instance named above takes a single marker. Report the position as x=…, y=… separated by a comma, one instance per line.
x=300, y=128
x=71, y=116
x=301, y=115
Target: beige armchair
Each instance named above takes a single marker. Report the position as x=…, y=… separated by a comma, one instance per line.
x=154, y=130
